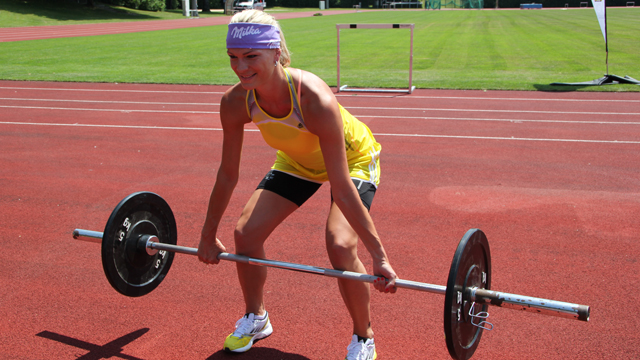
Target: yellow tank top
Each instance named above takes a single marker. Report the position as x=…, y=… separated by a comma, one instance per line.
x=299, y=151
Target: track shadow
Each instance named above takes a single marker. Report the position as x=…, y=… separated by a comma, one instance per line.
x=608, y=79
x=558, y=88
x=112, y=349
x=257, y=353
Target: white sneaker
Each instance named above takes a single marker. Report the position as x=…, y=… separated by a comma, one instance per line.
x=361, y=350
x=248, y=330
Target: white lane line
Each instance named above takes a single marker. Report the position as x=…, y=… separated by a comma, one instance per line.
x=348, y=107
x=112, y=110
x=116, y=126
x=487, y=98
x=511, y=138
x=375, y=134
x=116, y=90
x=359, y=116
x=345, y=96
x=498, y=111
x=515, y=121
x=111, y=102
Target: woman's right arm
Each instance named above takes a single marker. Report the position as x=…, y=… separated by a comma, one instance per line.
x=233, y=116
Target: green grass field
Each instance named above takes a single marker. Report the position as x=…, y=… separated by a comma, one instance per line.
x=506, y=49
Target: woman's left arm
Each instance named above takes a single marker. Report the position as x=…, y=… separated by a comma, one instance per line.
x=322, y=118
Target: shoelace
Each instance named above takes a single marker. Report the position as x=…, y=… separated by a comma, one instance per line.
x=359, y=350
x=244, y=326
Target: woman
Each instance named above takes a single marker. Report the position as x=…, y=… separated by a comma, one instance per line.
x=317, y=141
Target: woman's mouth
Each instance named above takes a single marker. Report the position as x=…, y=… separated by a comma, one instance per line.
x=246, y=77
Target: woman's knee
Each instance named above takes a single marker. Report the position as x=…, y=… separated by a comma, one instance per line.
x=342, y=251
x=247, y=242
x=260, y=216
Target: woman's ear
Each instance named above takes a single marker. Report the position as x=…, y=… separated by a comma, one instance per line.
x=278, y=53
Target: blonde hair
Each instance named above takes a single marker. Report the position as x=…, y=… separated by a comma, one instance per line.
x=260, y=17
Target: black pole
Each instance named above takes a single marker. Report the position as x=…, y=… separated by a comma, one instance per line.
x=606, y=36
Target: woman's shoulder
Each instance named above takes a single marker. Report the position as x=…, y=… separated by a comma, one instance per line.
x=233, y=104
x=308, y=78
x=312, y=87
x=234, y=95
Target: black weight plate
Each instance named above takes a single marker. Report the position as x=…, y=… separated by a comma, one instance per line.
x=471, y=260
x=128, y=267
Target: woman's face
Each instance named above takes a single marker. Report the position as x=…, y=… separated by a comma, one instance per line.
x=253, y=67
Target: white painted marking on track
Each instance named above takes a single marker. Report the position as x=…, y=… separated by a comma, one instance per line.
x=111, y=102
x=356, y=115
x=113, y=110
x=375, y=134
x=511, y=138
x=409, y=97
x=117, y=126
x=497, y=111
x=359, y=116
x=487, y=98
x=500, y=120
x=116, y=90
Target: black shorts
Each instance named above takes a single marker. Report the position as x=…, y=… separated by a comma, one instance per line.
x=300, y=190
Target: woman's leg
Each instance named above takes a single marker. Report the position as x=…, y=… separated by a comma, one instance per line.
x=261, y=215
x=342, y=243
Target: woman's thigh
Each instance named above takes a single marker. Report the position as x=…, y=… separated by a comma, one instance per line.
x=264, y=211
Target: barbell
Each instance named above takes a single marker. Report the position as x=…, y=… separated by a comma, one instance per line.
x=139, y=242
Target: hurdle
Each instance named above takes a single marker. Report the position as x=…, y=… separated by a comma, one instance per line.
x=377, y=26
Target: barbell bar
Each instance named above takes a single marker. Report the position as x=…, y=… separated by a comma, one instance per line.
x=151, y=244
x=477, y=295
x=140, y=239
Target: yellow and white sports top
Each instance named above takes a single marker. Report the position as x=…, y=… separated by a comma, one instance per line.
x=299, y=151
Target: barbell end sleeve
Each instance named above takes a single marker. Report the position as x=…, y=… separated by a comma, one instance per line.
x=88, y=235
x=530, y=304
x=584, y=312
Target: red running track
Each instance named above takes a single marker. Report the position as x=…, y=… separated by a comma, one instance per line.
x=552, y=179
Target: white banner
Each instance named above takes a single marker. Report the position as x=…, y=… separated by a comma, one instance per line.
x=601, y=12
